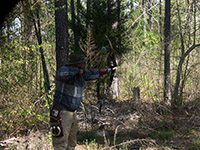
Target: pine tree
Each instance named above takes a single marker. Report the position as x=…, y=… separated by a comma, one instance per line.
x=167, y=78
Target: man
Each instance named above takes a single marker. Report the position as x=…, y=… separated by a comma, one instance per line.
x=67, y=99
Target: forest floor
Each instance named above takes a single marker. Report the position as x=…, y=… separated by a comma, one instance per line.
x=125, y=125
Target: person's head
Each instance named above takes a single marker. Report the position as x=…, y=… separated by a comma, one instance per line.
x=76, y=60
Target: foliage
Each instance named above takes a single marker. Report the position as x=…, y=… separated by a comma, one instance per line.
x=23, y=100
x=196, y=143
x=163, y=133
x=89, y=137
x=136, y=33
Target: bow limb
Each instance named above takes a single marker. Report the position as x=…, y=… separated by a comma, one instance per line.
x=114, y=64
x=110, y=83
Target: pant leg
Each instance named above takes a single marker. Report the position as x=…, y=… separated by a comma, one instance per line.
x=67, y=118
x=72, y=141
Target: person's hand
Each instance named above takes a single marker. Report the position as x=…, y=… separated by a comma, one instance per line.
x=81, y=71
x=114, y=68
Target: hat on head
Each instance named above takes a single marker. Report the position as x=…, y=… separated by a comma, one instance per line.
x=76, y=58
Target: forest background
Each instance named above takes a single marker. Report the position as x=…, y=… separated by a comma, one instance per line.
x=129, y=31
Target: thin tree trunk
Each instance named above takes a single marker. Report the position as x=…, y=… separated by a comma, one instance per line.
x=144, y=16
x=185, y=75
x=88, y=13
x=179, y=71
x=161, y=34
x=184, y=79
x=150, y=15
x=74, y=26
x=176, y=97
x=78, y=21
x=39, y=38
x=167, y=78
x=109, y=26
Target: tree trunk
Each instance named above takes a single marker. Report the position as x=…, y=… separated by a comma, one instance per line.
x=144, y=17
x=74, y=27
x=61, y=25
x=177, y=101
x=0, y=63
x=78, y=22
x=167, y=78
x=176, y=96
x=116, y=26
x=88, y=13
x=119, y=23
x=136, y=93
x=39, y=38
x=161, y=38
x=150, y=15
x=189, y=27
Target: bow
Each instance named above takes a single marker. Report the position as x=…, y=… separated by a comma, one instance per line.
x=114, y=64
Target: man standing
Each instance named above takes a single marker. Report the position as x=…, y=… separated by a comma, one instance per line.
x=67, y=99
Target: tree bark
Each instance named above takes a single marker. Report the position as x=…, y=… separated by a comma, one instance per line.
x=167, y=78
x=116, y=26
x=179, y=71
x=88, y=13
x=61, y=25
x=74, y=27
x=78, y=22
x=161, y=36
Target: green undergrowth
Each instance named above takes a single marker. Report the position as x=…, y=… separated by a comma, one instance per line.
x=89, y=136
x=163, y=133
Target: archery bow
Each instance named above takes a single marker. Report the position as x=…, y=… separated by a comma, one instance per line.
x=111, y=75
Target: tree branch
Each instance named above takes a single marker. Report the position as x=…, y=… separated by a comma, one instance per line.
x=190, y=49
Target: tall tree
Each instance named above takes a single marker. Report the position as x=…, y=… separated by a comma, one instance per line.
x=167, y=78
x=61, y=25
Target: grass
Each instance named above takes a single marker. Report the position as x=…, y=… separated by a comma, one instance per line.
x=92, y=141
x=89, y=137
x=195, y=143
x=163, y=133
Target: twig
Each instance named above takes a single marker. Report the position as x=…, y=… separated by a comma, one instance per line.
x=115, y=135
x=8, y=141
x=104, y=136
x=141, y=141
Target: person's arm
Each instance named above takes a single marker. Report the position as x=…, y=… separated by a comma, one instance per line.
x=65, y=73
x=94, y=74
